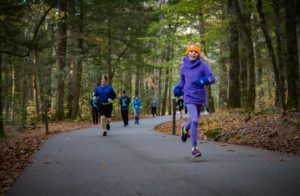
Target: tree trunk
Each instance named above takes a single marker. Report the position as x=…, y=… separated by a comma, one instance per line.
x=45, y=101
x=223, y=68
x=259, y=63
x=202, y=31
x=45, y=116
x=243, y=75
x=170, y=94
x=211, y=102
x=109, y=51
x=291, y=56
x=155, y=84
x=36, y=64
x=12, y=94
x=138, y=75
x=6, y=90
x=223, y=71
x=167, y=78
x=245, y=31
x=234, y=97
x=129, y=79
x=2, y=133
x=298, y=43
x=61, y=62
x=279, y=84
x=164, y=99
x=75, y=110
x=76, y=53
x=23, y=98
x=45, y=73
x=280, y=49
x=259, y=48
x=170, y=107
x=71, y=48
x=159, y=109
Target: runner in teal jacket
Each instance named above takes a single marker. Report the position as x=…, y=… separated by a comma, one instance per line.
x=137, y=104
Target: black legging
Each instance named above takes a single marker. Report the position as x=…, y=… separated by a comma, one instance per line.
x=95, y=116
x=153, y=109
x=124, y=113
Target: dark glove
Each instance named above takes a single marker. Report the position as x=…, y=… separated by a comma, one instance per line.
x=201, y=81
x=177, y=91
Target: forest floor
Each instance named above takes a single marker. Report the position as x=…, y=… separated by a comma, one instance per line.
x=17, y=148
x=276, y=132
x=268, y=131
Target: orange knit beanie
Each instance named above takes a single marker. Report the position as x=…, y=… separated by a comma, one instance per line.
x=193, y=47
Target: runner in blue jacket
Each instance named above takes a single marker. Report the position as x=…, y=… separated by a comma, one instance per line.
x=137, y=104
x=105, y=94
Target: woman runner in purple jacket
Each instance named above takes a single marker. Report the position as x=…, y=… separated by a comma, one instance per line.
x=194, y=75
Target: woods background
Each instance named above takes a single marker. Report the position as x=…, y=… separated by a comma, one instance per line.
x=52, y=54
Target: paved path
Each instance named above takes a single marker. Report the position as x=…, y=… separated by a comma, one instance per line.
x=137, y=161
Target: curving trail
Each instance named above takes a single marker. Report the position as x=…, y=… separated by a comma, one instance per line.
x=137, y=161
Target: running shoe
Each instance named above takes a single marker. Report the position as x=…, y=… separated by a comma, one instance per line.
x=104, y=133
x=196, y=152
x=184, y=133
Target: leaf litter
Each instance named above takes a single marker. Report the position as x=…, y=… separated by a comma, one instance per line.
x=17, y=149
x=276, y=132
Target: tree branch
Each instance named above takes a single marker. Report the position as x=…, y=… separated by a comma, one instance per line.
x=36, y=30
x=14, y=54
x=119, y=57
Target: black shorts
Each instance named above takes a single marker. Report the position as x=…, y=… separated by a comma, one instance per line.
x=105, y=110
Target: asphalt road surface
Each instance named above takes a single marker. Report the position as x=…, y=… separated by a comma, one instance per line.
x=138, y=161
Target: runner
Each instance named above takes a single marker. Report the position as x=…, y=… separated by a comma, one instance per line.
x=194, y=75
x=124, y=102
x=105, y=94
